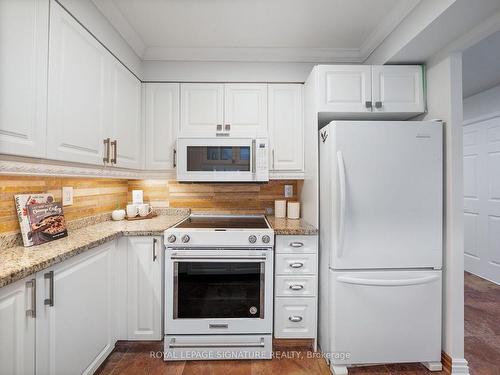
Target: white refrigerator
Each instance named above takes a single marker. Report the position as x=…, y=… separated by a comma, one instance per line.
x=381, y=223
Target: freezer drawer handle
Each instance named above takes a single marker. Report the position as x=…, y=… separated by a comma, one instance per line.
x=296, y=244
x=340, y=237
x=296, y=287
x=260, y=344
x=295, y=318
x=395, y=282
x=297, y=265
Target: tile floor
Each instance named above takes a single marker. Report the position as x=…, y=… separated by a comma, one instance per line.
x=482, y=347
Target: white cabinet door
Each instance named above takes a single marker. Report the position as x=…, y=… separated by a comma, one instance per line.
x=125, y=126
x=144, y=288
x=74, y=332
x=245, y=109
x=17, y=329
x=344, y=88
x=286, y=127
x=23, y=76
x=202, y=108
x=78, y=104
x=162, y=124
x=398, y=88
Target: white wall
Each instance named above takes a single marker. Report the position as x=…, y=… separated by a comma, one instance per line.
x=482, y=104
x=89, y=16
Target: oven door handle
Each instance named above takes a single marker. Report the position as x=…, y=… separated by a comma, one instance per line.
x=260, y=344
x=237, y=257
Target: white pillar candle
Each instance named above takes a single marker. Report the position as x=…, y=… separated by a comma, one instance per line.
x=280, y=208
x=293, y=210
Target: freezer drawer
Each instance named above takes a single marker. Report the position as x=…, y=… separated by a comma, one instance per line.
x=385, y=316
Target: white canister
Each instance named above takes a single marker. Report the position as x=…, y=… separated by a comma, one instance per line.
x=293, y=210
x=280, y=208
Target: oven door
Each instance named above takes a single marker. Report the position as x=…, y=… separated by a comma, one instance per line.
x=221, y=159
x=218, y=291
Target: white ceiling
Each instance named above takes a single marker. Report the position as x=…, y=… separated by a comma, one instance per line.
x=481, y=66
x=255, y=30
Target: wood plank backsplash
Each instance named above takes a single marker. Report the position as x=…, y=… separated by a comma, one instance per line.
x=221, y=197
x=91, y=196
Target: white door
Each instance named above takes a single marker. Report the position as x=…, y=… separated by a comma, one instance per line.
x=202, y=108
x=125, y=126
x=17, y=328
x=24, y=34
x=286, y=127
x=345, y=88
x=162, y=124
x=245, y=109
x=78, y=99
x=144, y=256
x=482, y=198
x=398, y=88
x=388, y=196
x=385, y=316
x=74, y=332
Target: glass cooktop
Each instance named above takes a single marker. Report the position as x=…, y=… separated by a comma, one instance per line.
x=224, y=222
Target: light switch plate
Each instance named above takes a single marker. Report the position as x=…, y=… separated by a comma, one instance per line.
x=137, y=197
x=67, y=195
x=288, y=191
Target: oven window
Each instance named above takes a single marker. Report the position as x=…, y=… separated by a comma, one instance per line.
x=218, y=159
x=218, y=290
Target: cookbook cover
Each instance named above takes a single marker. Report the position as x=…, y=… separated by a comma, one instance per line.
x=47, y=222
x=22, y=202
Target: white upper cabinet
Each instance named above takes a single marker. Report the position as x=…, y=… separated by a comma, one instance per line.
x=398, y=88
x=286, y=127
x=23, y=76
x=161, y=107
x=126, y=129
x=202, y=108
x=344, y=88
x=78, y=91
x=245, y=109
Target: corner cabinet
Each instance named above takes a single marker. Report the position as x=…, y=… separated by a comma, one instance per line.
x=161, y=116
x=23, y=76
x=144, y=288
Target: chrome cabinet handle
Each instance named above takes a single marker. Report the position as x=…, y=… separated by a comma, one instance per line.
x=174, y=160
x=49, y=301
x=105, y=159
x=368, y=104
x=114, y=144
x=154, y=249
x=296, y=287
x=260, y=344
x=273, y=158
x=296, y=244
x=296, y=265
x=378, y=105
x=31, y=312
x=295, y=318
x=253, y=155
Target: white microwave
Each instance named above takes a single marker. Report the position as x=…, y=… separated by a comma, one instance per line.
x=222, y=159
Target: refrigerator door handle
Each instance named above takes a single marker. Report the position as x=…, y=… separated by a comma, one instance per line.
x=380, y=282
x=342, y=183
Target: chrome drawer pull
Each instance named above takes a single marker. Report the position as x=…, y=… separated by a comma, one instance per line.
x=50, y=276
x=296, y=244
x=32, y=311
x=296, y=265
x=296, y=287
x=295, y=318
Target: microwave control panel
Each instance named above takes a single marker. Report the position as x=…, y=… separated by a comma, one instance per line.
x=261, y=159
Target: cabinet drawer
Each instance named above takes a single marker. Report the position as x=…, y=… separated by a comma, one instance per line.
x=287, y=264
x=295, y=317
x=295, y=286
x=297, y=244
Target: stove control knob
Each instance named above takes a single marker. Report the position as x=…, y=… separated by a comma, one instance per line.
x=252, y=239
x=266, y=239
x=185, y=238
x=171, y=238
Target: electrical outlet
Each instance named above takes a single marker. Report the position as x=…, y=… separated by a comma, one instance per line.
x=288, y=191
x=67, y=195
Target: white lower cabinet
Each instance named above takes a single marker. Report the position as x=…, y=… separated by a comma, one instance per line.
x=74, y=324
x=295, y=287
x=17, y=328
x=144, y=288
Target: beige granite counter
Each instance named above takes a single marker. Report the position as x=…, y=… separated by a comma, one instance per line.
x=18, y=262
x=284, y=226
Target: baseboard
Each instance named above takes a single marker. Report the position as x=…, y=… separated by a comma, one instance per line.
x=293, y=344
x=454, y=366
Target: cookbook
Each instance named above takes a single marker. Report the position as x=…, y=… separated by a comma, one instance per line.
x=47, y=222
x=22, y=202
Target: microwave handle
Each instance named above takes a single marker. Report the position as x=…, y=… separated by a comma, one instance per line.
x=253, y=156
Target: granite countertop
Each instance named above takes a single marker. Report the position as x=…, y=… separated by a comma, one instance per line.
x=284, y=226
x=18, y=262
